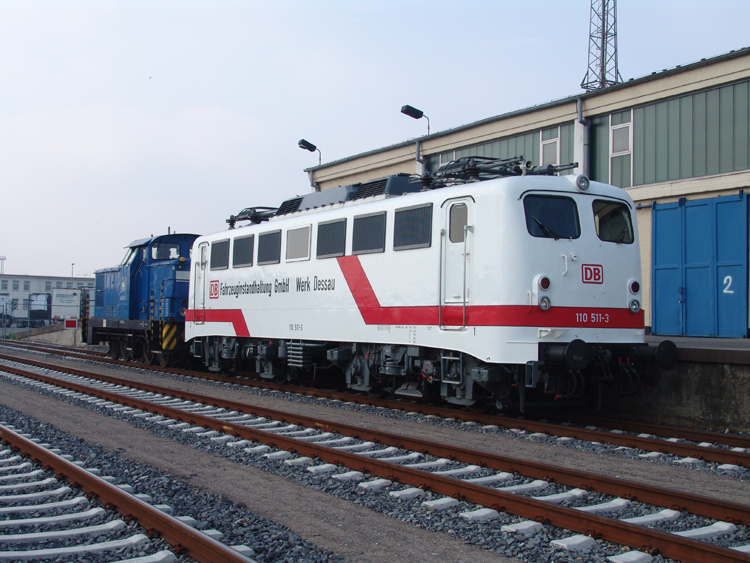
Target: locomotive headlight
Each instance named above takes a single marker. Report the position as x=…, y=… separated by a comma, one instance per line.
x=545, y=303
x=183, y=311
x=582, y=182
x=635, y=305
x=634, y=287
x=544, y=283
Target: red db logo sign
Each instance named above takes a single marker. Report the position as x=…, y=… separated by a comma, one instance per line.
x=213, y=291
x=592, y=273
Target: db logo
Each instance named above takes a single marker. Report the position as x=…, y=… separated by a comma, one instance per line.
x=213, y=291
x=592, y=273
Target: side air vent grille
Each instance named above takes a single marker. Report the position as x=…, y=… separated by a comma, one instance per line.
x=289, y=206
x=368, y=189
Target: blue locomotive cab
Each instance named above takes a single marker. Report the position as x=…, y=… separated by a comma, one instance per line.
x=140, y=304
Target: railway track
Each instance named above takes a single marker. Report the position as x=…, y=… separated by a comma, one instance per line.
x=729, y=451
x=53, y=507
x=480, y=478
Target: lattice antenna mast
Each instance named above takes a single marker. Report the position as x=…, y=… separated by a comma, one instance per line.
x=603, y=71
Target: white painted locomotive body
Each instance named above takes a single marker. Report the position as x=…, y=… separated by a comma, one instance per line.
x=477, y=283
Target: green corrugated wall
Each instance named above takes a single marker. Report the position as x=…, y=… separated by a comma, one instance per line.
x=688, y=137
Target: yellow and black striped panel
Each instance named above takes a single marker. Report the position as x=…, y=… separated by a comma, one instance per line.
x=169, y=336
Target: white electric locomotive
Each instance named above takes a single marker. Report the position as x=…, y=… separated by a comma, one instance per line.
x=514, y=289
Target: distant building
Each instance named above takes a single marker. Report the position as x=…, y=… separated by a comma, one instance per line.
x=17, y=290
x=678, y=141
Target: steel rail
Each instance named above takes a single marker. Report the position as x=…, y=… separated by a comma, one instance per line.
x=697, y=504
x=638, y=537
x=647, y=444
x=718, y=456
x=182, y=537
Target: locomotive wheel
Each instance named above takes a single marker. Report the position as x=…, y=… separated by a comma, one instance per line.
x=114, y=349
x=148, y=356
x=165, y=360
x=125, y=354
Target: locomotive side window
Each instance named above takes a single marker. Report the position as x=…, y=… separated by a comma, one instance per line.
x=298, y=244
x=126, y=259
x=331, y=239
x=269, y=248
x=165, y=251
x=412, y=227
x=369, y=233
x=612, y=220
x=242, y=252
x=551, y=217
x=220, y=255
x=458, y=220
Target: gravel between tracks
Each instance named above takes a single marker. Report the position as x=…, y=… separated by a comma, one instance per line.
x=700, y=482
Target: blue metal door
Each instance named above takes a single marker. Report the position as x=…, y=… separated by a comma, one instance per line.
x=700, y=256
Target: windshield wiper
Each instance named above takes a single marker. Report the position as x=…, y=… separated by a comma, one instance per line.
x=545, y=229
x=621, y=236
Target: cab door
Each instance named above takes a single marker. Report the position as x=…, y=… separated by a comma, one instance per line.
x=199, y=285
x=455, y=262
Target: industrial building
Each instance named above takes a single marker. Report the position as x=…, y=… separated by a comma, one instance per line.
x=17, y=291
x=678, y=141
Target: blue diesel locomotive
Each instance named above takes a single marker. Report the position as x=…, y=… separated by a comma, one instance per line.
x=140, y=305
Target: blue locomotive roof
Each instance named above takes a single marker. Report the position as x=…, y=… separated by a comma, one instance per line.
x=144, y=241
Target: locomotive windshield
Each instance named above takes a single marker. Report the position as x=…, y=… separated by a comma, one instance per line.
x=612, y=221
x=551, y=217
x=165, y=251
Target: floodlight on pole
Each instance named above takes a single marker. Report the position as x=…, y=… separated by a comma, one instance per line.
x=416, y=114
x=308, y=146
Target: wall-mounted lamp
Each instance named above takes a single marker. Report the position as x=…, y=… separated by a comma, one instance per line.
x=308, y=146
x=416, y=114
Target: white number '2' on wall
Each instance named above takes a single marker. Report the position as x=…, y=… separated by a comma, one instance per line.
x=728, y=284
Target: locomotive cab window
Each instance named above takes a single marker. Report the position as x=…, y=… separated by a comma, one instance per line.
x=242, y=252
x=298, y=244
x=551, y=217
x=412, y=227
x=269, y=248
x=131, y=252
x=331, y=239
x=612, y=221
x=165, y=251
x=459, y=217
x=220, y=255
x=369, y=233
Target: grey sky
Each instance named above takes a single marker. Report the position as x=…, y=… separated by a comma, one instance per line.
x=119, y=119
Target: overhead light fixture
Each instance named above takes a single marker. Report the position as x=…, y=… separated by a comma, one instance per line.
x=416, y=114
x=308, y=146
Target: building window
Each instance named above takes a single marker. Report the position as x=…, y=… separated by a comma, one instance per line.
x=58, y=285
x=269, y=248
x=220, y=255
x=331, y=239
x=621, y=149
x=369, y=233
x=298, y=244
x=69, y=285
x=5, y=284
x=79, y=285
x=26, y=285
x=48, y=286
x=550, y=146
x=15, y=304
x=16, y=285
x=25, y=305
x=412, y=227
x=242, y=252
